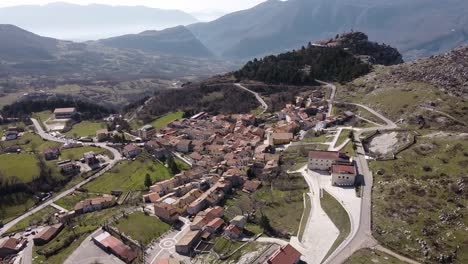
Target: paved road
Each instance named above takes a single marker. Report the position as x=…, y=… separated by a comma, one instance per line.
x=363, y=237
x=332, y=96
x=259, y=98
x=40, y=132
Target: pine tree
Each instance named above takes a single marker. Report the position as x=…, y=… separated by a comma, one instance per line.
x=148, y=181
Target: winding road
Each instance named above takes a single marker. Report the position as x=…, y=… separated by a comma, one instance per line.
x=259, y=98
x=44, y=135
x=363, y=238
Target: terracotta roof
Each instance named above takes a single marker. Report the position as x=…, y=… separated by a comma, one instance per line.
x=282, y=135
x=234, y=229
x=130, y=148
x=252, y=185
x=216, y=223
x=48, y=232
x=10, y=243
x=328, y=155
x=152, y=197
x=348, y=169
x=284, y=255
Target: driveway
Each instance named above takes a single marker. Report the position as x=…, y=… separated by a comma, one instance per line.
x=88, y=252
x=320, y=233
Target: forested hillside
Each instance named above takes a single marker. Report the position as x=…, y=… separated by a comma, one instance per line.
x=304, y=66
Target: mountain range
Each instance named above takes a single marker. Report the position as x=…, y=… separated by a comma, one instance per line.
x=417, y=28
x=91, y=22
x=24, y=53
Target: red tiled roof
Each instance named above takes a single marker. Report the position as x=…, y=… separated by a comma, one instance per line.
x=10, y=243
x=284, y=255
x=349, y=169
x=216, y=223
x=329, y=155
x=234, y=229
x=129, y=148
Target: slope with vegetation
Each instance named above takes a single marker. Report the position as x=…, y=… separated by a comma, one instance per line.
x=418, y=196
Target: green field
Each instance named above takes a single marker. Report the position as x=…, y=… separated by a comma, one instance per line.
x=38, y=218
x=42, y=116
x=129, y=175
x=68, y=202
x=77, y=153
x=338, y=216
x=141, y=227
x=85, y=128
x=22, y=166
x=281, y=202
x=365, y=256
x=423, y=184
x=163, y=121
x=30, y=142
x=311, y=137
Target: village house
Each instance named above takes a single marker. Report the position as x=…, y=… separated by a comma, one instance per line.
x=51, y=153
x=164, y=187
x=47, y=234
x=251, y=186
x=151, y=198
x=184, y=146
x=68, y=167
x=233, y=231
x=215, y=225
x=102, y=135
x=111, y=244
x=184, y=202
x=131, y=151
x=323, y=160
x=284, y=255
x=239, y=221
x=166, y=212
x=147, y=132
x=187, y=242
x=343, y=175
x=90, y=159
x=280, y=138
x=156, y=148
x=65, y=113
x=11, y=246
x=94, y=204
x=11, y=135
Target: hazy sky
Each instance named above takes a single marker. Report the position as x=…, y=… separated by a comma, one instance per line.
x=185, y=5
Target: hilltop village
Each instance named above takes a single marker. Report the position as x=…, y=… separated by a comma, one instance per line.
x=222, y=156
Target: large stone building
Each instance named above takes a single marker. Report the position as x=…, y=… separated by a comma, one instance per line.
x=65, y=113
x=343, y=175
x=323, y=160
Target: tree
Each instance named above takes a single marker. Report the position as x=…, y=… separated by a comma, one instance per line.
x=148, y=181
x=172, y=165
x=351, y=135
x=265, y=224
